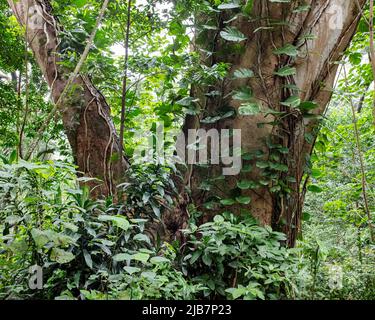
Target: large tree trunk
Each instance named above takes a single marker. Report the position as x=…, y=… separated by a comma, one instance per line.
x=333, y=24
x=85, y=112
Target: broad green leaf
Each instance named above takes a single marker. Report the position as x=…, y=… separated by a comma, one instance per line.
x=157, y=260
x=186, y=102
x=150, y=275
x=279, y=167
x=122, y=257
x=218, y=219
x=264, y=182
x=248, y=7
x=155, y=209
x=308, y=105
x=306, y=216
x=249, y=109
x=292, y=102
x=246, y=184
x=314, y=188
x=237, y=292
x=244, y=93
x=232, y=34
x=195, y=256
x=61, y=256
x=316, y=173
x=227, y=202
x=142, y=238
x=288, y=50
x=262, y=164
x=243, y=199
x=207, y=260
x=286, y=71
x=228, y=6
x=13, y=219
x=131, y=270
x=218, y=117
x=88, y=259
x=275, y=188
x=119, y=221
x=142, y=257
x=243, y=73
x=40, y=237
x=70, y=226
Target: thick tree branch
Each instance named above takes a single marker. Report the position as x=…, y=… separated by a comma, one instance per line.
x=85, y=112
x=68, y=85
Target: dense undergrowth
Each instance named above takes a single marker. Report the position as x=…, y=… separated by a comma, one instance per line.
x=92, y=250
x=98, y=250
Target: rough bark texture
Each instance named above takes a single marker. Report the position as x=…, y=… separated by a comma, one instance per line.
x=333, y=23
x=85, y=112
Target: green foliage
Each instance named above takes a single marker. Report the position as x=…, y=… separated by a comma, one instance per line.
x=9, y=104
x=92, y=250
x=87, y=249
x=336, y=241
x=11, y=41
x=236, y=258
x=149, y=190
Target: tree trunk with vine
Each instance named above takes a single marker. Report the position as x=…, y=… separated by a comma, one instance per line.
x=321, y=34
x=85, y=112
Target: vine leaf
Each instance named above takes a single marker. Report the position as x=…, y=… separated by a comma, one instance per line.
x=286, y=71
x=249, y=109
x=243, y=199
x=217, y=118
x=292, y=102
x=314, y=188
x=227, y=202
x=246, y=184
x=232, y=34
x=61, y=256
x=308, y=105
x=244, y=93
x=289, y=50
x=228, y=6
x=243, y=73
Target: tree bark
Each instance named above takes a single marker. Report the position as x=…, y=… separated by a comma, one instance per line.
x=333, y=24
x=85, y=112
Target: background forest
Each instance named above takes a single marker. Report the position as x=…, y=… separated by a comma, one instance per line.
x=145, y=60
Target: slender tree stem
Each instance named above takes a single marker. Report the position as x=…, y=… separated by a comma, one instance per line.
x=362, y=164
x=26, y=112
x=372, y=49
x=124, y=82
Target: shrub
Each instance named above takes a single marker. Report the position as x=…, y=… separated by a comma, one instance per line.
x=91, y=250
x=237, y=258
